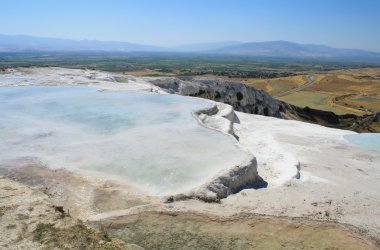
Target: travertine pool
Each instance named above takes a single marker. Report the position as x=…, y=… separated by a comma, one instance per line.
x=150, y=140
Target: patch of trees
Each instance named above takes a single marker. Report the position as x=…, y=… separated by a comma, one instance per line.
x=235, y=73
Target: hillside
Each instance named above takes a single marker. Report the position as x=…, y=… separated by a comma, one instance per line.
x=272, y=49
x=294, y=50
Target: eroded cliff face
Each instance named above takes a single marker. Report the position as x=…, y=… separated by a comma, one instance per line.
x=250, y=100
x=242, y=97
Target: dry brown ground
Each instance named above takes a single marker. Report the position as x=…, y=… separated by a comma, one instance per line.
x=361, y=86
x=276, y=85
x=29, y=220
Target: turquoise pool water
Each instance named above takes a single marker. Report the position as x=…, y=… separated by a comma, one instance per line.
x=149, y=139
x=365, y=140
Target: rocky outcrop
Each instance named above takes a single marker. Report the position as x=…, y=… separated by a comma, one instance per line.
x=250, y=100
x=241, y=97
x=231, y=181
x=364, y=123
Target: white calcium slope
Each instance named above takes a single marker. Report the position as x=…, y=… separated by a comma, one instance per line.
x=275, y=164
x=262, y=136
x=52, y=76
x=338, y=180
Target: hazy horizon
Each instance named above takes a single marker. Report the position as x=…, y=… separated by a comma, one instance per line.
x=186, y=44
x=169, y=23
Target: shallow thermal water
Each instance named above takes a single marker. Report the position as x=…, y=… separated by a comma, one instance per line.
x=366, y=140
x=148, y=139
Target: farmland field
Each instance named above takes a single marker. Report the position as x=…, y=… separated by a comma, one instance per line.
x=343, y=91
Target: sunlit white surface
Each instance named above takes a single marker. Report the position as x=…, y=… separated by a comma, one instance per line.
x=151, y=140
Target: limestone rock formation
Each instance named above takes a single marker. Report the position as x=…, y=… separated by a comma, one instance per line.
x=247, y=99
x=230, y=182
x=222, y=117
x=240, y=96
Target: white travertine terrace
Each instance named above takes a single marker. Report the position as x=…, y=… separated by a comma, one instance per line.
x=150, y=140
x=311, y=170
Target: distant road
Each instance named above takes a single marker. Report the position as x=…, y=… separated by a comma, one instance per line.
x=310, y=81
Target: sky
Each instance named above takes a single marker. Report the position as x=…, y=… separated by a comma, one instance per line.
x=337, y=23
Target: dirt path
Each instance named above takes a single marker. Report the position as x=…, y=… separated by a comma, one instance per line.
x=340, y=102
x=310, y=81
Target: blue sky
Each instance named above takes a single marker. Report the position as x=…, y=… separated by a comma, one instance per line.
x=338, y=23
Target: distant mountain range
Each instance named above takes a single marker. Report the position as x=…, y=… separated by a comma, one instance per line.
x=289, y=49
x=204, y=47
x=30, y=43
x=278, y=49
